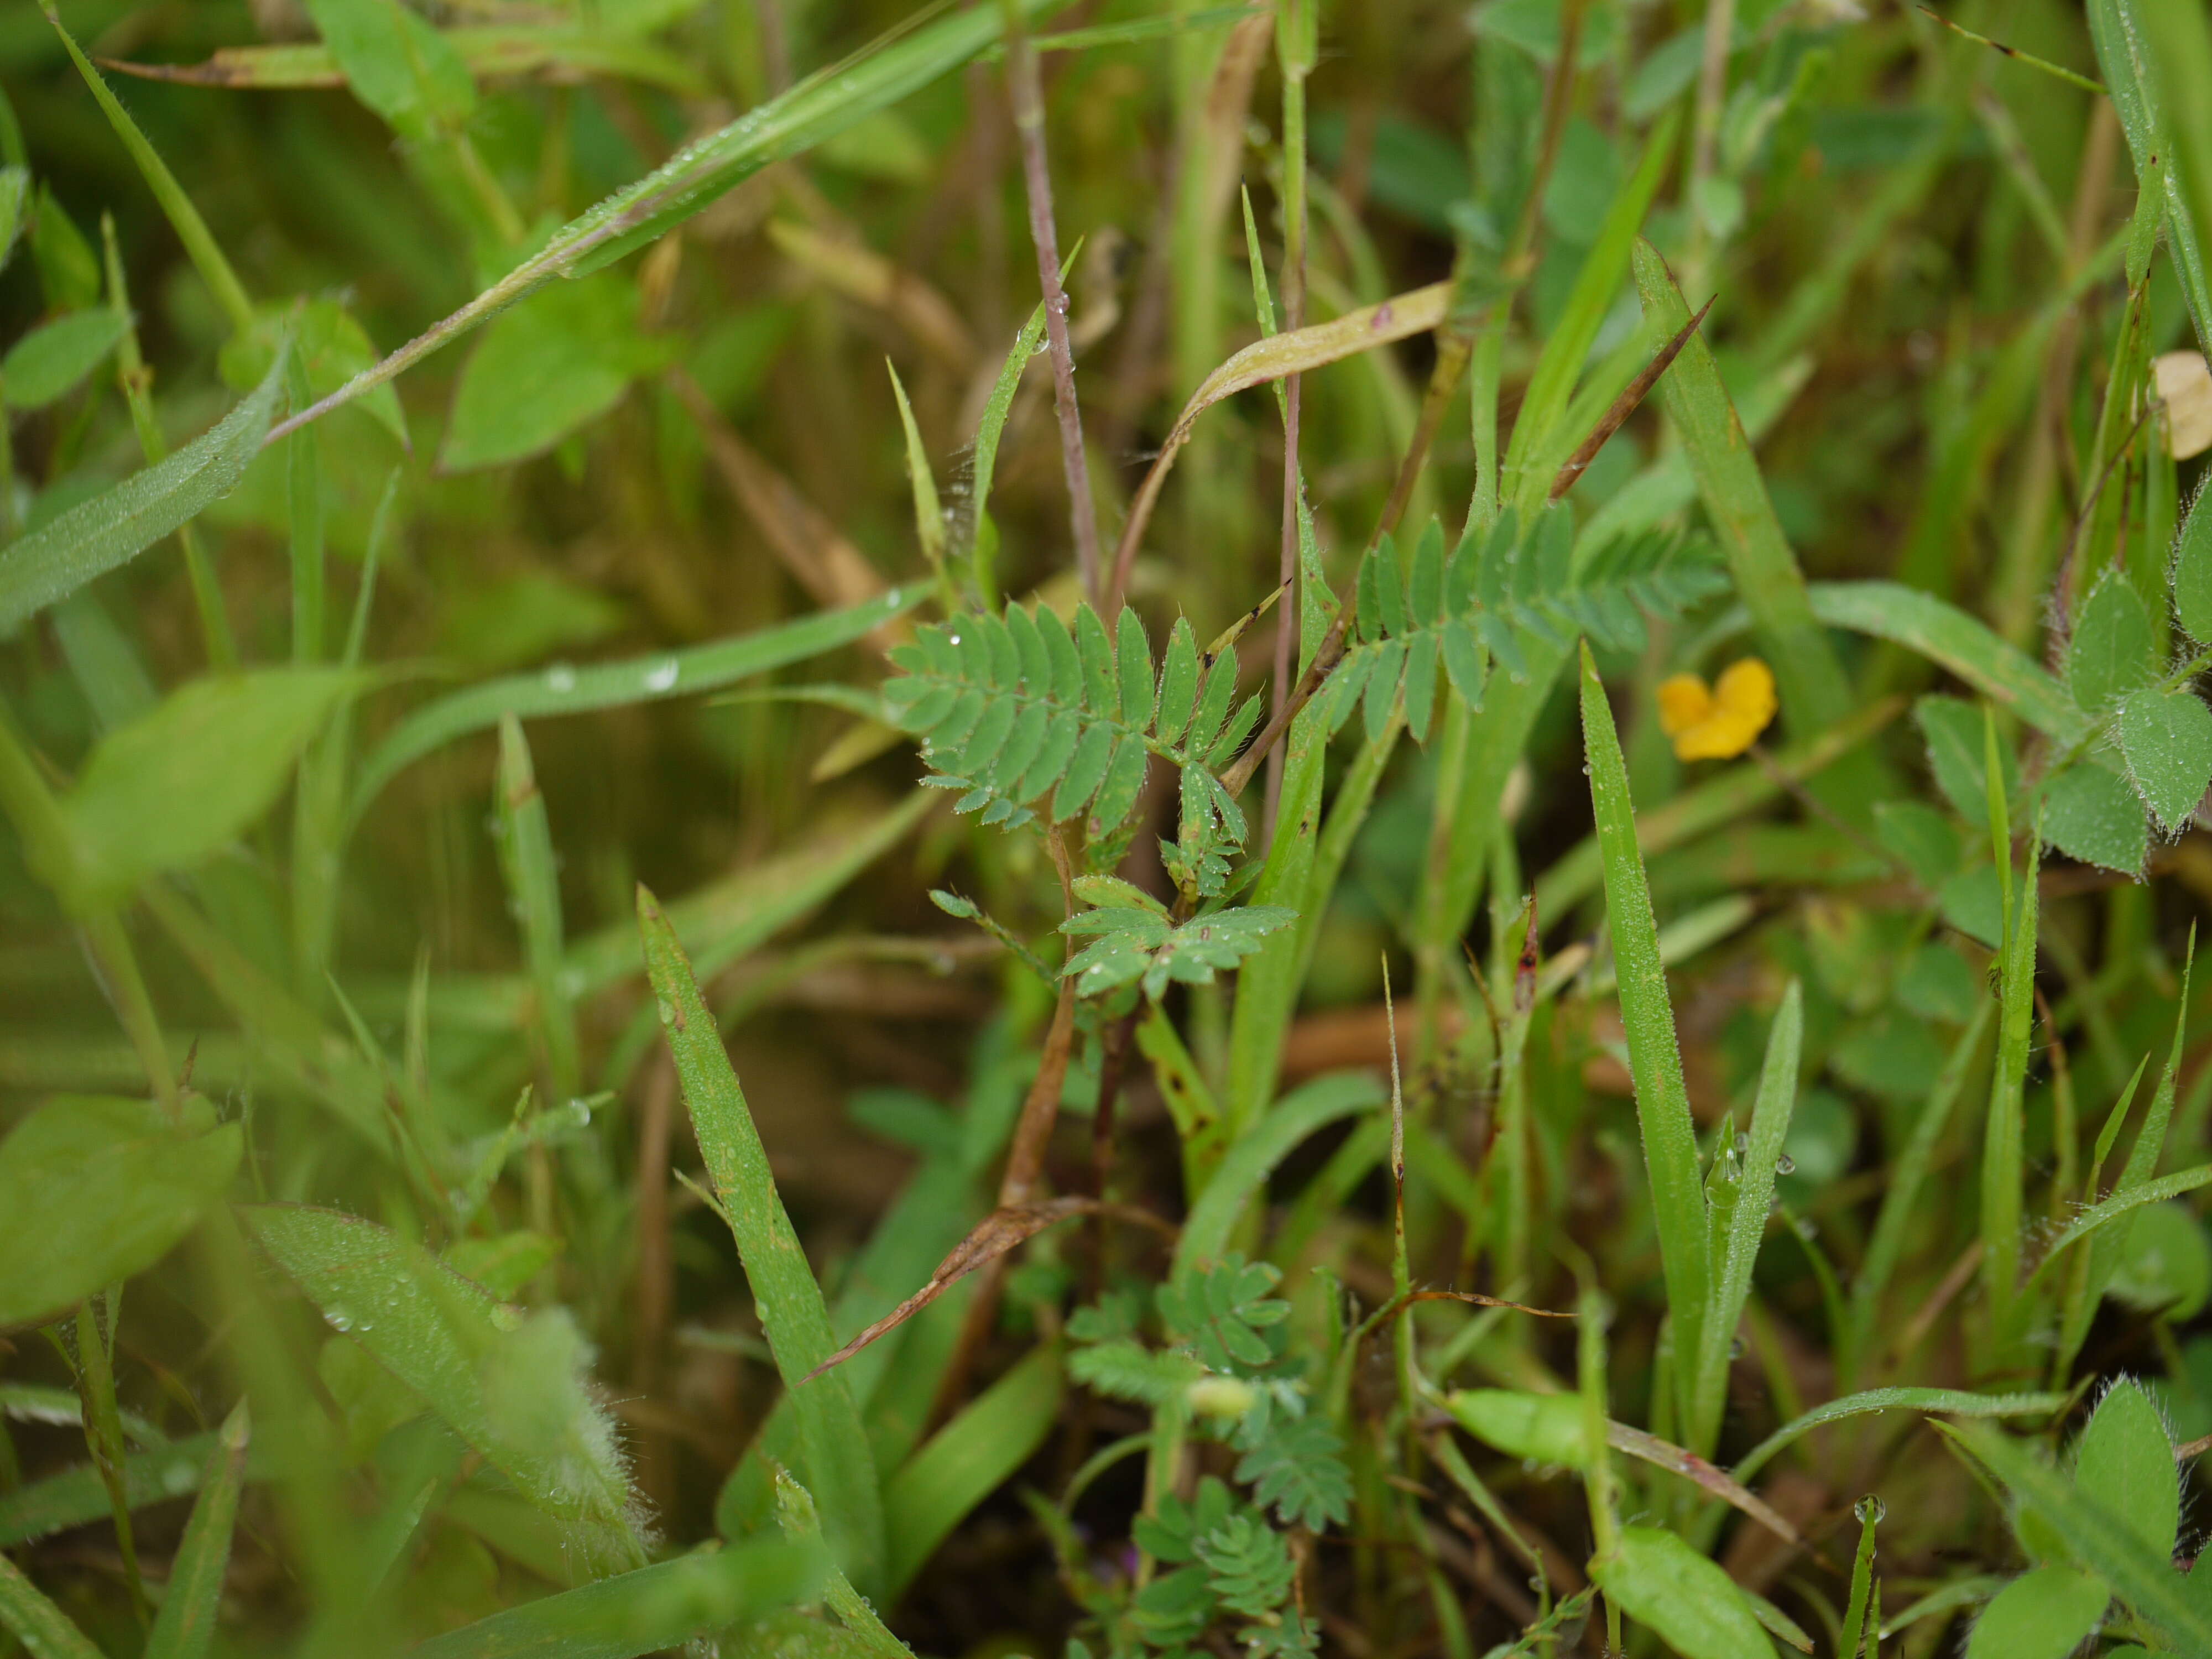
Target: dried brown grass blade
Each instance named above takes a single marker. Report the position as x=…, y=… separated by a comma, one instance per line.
x=1398, y=318
x=991, y=1237
x=1625, y=405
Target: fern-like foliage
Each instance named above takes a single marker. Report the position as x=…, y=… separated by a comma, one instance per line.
x=1296, y=1467
x=1432, y=618
x=1013, y=710
x=1223, y=1314
x=1138, y=941
x=1128, y=1371
x=1247, y=1566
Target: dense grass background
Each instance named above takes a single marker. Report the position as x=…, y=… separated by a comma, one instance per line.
x=464, y=864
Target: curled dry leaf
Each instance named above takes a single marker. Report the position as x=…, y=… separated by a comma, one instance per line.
x=2185, y=386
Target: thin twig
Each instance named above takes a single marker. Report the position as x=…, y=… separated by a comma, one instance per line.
x=1028, y=100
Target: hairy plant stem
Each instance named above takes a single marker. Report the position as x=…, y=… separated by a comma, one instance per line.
x=1027, y=97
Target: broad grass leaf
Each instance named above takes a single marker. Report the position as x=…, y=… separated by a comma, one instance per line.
x=396, y=64
x=563, y=689
x=2192, y=573
x=185, y=1629
x=2167, y=739
x=654, y=1608
x=176, y=784
x=1545, y=1427
x=89, y=541
x=2091, y=815
x=836, y=1466
x=48, y=362
x=559, y=359
x=2125, y=1460
x=2113, y=651
x=40, y=1509
x=97, y=1189
x=2041, y=1614
x=968, y=1459
x=1952, y=639
x=512, y=1386
x=1660, y=1582
x=2127, y=54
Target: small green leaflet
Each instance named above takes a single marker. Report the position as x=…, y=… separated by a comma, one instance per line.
x=2167, y=739
x=48, y=362
x=1142, y=945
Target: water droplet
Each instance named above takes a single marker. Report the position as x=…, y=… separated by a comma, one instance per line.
x=179, y=1478
x=1870, y=1510
x=1806, y=1229
x=668, y=1011
x=561, y=677
x=1738, y=1348
x=580, y=1112
x=1743, y=1143
x=339, y=1319
x=890, y=596
x=953, y=638
x=1785, y=1164
x=661, y=676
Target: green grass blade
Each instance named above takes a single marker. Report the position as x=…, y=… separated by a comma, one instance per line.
x=725, y=920
x=2002, y=1156
x=1952, y=639
x=837, y=1466
x=1663, y=1100
x=1567, y=344
x=1711, y=805
x=1770, y=1127
x=561, y=690
x=817, y=109
x=966, y=1461
x=653, y=1609
x=533, y=884
x=1907, y=1175
x=2105, y=1543
x=76, y=1495
x=54, y=561
x=191, y=230
x=2128, y=35
x=43, y=1628
x=1245, y=1170
x=1949, y=1402
x=802, y=1524
x=1814, y=694
x=185, y=1628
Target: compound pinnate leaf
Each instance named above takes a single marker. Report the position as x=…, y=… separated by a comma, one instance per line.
x=1222, y=1310
x=2042, y=1614
x=1659, y=1581
x=96, y=1189
x=1140, y=945
x=1298, y=1470
x=2167, y=739
x=2124, y=1458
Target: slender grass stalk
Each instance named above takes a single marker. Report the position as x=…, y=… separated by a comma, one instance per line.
x=1028, y=97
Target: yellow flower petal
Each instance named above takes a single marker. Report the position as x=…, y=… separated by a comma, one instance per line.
x=1684, y=702
x=1741, y=707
